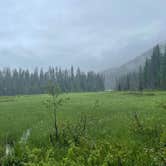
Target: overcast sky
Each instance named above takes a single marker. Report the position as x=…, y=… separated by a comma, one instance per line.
x=92, y=34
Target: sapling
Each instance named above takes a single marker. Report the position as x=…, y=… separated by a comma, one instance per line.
x=53, y=103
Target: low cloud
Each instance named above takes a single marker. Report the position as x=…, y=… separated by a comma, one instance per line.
x=91, y=34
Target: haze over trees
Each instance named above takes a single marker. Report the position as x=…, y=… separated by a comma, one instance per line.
x=20, y=81
x=151, y=76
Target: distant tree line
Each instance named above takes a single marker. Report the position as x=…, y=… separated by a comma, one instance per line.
x=151, y=76
x=20, y=81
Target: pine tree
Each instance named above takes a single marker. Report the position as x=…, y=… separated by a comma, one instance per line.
x=163, y=71
x=34, y=82
x=140, y=87
x=155, y=62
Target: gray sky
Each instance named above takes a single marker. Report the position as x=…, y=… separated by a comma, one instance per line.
x=92, y=34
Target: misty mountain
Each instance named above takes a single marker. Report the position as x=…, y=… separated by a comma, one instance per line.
x=132, y=66
x=93, y=35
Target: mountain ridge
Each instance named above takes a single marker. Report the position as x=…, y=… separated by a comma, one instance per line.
x=132, y=66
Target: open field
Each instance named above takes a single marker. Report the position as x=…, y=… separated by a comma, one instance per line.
x=110, y=117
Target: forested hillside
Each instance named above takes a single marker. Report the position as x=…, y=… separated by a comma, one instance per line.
x=151, y=76
x=112, y=75
x=20, y=81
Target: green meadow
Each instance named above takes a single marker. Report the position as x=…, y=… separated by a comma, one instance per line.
x=110, y=116
x=111, y=112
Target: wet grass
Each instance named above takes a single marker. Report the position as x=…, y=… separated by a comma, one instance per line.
x=111, y=116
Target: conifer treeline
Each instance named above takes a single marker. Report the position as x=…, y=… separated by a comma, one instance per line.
x=20, y=81
x=151, y=76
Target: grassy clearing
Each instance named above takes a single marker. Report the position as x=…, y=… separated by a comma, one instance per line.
x=122, y=128
x=112, y=116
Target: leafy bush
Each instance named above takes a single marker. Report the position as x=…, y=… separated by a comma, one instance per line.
x=87, y=153
x=148, y=135
x=75, y=148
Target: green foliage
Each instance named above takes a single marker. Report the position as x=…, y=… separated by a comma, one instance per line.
x=88, y=153
x=151, y=75
x=15, y=82
x=147, y=135
x=112, y=136
x=53, y=104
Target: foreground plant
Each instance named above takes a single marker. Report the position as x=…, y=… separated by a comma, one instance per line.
x=53, y=103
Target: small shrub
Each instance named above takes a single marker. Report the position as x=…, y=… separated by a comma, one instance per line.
x=149, y=135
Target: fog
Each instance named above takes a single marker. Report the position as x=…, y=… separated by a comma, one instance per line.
x=92, y=34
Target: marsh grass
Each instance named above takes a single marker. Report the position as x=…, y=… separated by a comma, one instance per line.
x=7, y=99
x=112, y=128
